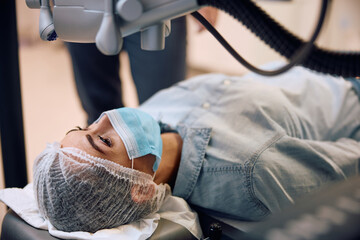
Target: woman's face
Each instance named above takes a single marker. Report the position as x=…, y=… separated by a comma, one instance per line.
x=99, y=140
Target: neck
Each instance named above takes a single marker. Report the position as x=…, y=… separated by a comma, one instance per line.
x=170, y=159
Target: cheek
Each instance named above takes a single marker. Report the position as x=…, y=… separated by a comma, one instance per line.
x=119, y=154
x=119, y=150
x=120, y=157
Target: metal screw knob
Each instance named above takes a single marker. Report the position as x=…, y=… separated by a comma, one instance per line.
x=129, y=10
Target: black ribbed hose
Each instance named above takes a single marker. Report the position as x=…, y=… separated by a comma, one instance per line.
x=285, y=43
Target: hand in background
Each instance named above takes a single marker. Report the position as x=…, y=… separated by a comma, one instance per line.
x=211, y=14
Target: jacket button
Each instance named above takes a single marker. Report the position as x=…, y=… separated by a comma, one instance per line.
x=206, y=105
x=226, y=82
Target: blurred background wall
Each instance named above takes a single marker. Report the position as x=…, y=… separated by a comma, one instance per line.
x=50, y=102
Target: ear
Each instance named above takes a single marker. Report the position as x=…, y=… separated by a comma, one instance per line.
x=140, y=194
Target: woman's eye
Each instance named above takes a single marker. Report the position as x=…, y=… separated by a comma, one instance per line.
x=107, y=141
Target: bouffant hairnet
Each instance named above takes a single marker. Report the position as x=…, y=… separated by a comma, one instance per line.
x=79, y=192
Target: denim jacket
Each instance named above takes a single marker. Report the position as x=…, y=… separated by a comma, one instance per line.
x=252, y=145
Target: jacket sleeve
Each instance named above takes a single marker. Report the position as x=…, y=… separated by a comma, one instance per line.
x=292, y=167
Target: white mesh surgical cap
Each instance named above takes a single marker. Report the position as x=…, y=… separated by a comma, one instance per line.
x=79, y=192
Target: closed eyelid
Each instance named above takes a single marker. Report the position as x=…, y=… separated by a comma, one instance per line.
x=77, y=128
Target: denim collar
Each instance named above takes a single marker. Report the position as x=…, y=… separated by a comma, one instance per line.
x=195, y=142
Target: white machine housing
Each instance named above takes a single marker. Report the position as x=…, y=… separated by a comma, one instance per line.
x=106, y=22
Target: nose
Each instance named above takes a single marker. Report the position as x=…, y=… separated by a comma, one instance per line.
x=101, y=126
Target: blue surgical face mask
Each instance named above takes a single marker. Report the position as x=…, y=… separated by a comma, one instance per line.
x=139, y=132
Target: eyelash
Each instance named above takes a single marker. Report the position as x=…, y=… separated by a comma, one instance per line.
x=107, y=141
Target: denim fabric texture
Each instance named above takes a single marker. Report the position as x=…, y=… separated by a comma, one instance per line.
x=253, y=145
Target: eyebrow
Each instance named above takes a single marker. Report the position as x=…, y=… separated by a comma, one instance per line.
x=92, y=143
